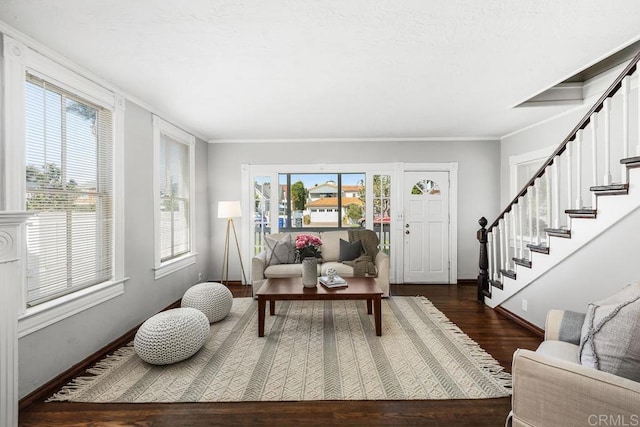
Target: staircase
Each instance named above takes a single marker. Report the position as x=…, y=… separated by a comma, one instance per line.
x=548, y=220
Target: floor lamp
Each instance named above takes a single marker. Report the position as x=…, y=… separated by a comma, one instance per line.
x=230, y=210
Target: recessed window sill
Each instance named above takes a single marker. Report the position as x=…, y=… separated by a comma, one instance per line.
x=174, y=265
x=50, y=312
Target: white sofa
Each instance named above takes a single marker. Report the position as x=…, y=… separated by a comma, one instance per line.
x=330, y=249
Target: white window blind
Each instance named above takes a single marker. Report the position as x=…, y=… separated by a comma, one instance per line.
x=69, y=144
x=175, y=235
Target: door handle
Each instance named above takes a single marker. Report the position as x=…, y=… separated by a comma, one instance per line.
x=406, y=232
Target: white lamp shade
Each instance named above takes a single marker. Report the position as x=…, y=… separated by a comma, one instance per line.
x=229, y=209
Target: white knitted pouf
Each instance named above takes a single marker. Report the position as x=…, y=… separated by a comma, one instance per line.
x=171, y=336
x=212, y=298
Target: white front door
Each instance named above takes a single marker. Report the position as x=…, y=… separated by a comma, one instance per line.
x=426, y=227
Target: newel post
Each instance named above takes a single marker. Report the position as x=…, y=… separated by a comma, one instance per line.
x=483, y=263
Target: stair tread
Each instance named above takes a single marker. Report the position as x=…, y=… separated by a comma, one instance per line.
x=509, y=273
x=558, y=232
x=523, y=262
x=631, y=161
x=612, y=189
x=496, y=284
x=581, y=213
x=583, y=210
x=542, y=248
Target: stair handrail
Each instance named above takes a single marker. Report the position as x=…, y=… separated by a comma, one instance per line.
x=597, y=106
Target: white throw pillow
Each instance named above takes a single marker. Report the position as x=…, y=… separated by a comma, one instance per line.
x=610, y=339
x=281, y=251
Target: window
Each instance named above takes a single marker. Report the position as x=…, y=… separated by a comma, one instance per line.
x=523, y=167
x=426, y=187
x=262, y=211
x=382, y=210
x=328, y=200
x=69, y=187
x=174, y=195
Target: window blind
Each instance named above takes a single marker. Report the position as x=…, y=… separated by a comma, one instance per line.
x=174, y=198
x=69, y=143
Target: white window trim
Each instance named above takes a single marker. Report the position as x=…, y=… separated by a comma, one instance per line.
x=515, y=160
x=18, y=58
x=162, y=269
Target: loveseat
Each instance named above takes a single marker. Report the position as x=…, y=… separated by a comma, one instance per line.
x=557, y=386
x=278, y=261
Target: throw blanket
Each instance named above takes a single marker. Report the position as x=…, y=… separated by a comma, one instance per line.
x=363, y=265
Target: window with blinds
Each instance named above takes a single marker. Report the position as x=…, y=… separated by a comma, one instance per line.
x=174, y=179
x=69, y=190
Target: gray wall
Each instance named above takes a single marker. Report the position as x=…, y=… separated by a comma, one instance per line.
x=478, y=179
x=547, y=134
x=48, y=352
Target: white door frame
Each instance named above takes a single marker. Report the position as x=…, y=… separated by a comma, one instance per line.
x=452, y=168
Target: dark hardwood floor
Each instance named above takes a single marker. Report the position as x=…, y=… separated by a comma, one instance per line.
x=492, y=331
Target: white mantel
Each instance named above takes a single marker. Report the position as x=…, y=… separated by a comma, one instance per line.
x=12, y=240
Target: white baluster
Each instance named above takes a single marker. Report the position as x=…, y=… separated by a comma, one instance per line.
x=496, y=264
x=594, y=156
x=514, y=235
x=530, y=201
x=502, y=228
x=555, y=206
x=638, y=111
x=536, y=213
x=607, y=141
x=521, y=227
x=579, y=139
x=626, y=86
x=567, y=153
x=547, y=176
x=490, y=255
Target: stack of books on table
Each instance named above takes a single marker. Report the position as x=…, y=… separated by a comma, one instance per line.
x=333, y=282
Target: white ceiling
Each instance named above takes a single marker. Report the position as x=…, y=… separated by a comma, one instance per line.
x=306, y=69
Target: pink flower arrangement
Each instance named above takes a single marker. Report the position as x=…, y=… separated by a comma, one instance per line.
x=308, y=246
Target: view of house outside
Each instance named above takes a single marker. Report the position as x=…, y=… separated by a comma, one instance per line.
x=322, y=201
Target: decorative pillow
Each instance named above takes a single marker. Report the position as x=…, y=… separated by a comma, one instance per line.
x=281, y=251
x=350, y=251
x=610, y=338
x=564, y=325
x=331, y=244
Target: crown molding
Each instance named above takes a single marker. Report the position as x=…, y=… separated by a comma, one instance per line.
x=343, y=140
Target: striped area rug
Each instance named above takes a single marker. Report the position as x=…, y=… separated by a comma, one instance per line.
x=312, y=350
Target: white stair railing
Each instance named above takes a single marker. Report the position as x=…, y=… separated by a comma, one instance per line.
x=564, y=180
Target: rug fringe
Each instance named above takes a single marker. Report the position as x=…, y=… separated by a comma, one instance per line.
x=477, y=354
x=109, y=363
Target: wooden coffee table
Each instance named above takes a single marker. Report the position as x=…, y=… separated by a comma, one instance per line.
x=290, y=288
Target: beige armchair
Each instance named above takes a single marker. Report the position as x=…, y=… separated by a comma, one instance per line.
x=552, y=388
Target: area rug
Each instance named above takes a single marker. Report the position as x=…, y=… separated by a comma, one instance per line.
x=312, y=350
